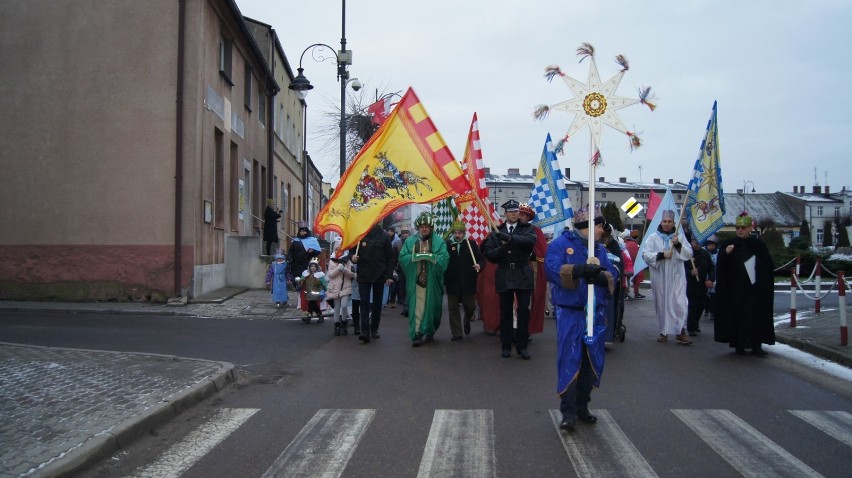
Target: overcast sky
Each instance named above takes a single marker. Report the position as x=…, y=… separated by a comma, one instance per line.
x=779, y=70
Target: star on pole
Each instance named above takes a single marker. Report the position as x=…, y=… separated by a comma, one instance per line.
x=595, y=103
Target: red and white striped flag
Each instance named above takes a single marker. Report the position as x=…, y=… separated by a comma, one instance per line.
x=472, y=162
x=472, y=165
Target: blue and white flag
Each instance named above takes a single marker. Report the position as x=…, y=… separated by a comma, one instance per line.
x=667, y=204
x=705, y=201
x=549, y=197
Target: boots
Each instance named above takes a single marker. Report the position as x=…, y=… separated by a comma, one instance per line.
x=344, y=327
x=337, y=329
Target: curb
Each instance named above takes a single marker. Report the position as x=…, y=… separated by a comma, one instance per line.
x=815, y=349
x=123, y=434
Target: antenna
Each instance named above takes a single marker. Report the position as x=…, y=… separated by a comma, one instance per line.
x=640, y=173
x=816, y=183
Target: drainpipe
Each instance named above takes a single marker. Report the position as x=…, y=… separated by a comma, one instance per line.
x=179, y=148
x=270, y=145
x=305, y=185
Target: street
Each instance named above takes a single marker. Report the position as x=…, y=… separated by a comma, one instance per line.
x=307, y=403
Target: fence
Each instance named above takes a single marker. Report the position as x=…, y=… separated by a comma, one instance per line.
x=796, y=284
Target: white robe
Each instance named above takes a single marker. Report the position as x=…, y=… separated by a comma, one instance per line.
x=668, y=280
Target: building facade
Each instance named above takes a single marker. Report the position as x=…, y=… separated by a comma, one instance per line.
x=137, y=152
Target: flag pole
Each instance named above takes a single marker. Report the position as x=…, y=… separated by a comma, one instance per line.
x=590, y=297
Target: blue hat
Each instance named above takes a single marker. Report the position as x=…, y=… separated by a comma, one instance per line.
x=511, y=205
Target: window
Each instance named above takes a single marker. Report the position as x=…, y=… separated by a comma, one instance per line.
x=218, y=178
x=819, y=236
x=603, y=195
x=836, y=211
x=225, y=50
x=261, y=108
x=248, y=94
x=819, y=212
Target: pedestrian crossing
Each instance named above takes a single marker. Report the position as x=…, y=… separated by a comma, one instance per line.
x=462, y=443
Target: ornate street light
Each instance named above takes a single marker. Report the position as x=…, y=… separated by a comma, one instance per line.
x=745, y=193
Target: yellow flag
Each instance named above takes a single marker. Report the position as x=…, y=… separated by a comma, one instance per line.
x=405, y=162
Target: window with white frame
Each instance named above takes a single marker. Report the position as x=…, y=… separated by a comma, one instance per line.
x=819, y=236
x=819, y=211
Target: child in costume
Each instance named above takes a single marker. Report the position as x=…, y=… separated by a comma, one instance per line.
x=276, y=277
x=314, y=282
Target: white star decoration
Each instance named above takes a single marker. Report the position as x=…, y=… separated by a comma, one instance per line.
x=594, y=103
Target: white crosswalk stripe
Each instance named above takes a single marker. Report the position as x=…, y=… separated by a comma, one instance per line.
x=460, y=443
x=750, y=452
x=181, y=456
x=324, y=446
x=602, y=450
x=837, y=424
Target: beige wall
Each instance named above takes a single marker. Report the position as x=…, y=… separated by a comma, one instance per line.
x=89, y=138
x=89, y=134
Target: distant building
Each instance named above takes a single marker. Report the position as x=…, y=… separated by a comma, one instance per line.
x=515, y=185
x=821, y=209
x=764, y=209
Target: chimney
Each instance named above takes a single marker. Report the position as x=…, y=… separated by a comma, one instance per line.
x=487, y=171
x=739, y=192
x=601, y=179
x=671, y=181
x=514, y=172
x=656, y=180
x=534, y=171
x=622, y=180
x=567, y=173
x=826, y=190
x=795, y=189
x=817, y=189
x=801, y=190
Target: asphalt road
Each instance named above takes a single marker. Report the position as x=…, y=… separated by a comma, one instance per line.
x=667, y=410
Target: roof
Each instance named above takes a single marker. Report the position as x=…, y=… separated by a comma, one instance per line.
x=628, y=186
x=761, y=206
x=810, y=197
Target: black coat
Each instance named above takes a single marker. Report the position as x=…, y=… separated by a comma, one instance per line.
x=460, y=277
x=513, y=258
x=744, y=310
x=704, y=264
x=375, y=257
x=270, y=224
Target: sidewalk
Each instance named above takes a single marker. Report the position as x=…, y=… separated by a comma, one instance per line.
x=52, y=415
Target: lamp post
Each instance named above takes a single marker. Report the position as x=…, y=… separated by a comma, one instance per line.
x=343, y=57
x=745, y=193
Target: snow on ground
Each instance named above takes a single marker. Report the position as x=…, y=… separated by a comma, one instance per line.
x=827, y=367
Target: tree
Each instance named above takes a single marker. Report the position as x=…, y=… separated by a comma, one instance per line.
x=764, y=224
x=827, y=236
x=805, y=232
x=610, y=212
x=842, y=233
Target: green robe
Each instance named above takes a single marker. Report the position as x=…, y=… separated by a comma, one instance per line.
x=432, y=295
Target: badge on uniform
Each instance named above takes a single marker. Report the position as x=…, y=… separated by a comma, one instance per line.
x=453, y=248
x=570, y=250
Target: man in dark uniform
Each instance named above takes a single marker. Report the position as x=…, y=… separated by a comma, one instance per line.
x=510, y=247
x=700, y=275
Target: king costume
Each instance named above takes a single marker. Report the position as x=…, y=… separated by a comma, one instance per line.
x=423, y=260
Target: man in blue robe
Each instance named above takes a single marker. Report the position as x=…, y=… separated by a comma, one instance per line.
x=570, y=270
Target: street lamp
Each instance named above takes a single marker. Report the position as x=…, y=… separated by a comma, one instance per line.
x=745, y=193
x=302, y=86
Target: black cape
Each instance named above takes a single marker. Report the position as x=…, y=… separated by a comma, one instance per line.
x=744, y=310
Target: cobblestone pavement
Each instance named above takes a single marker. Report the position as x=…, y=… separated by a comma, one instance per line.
x=63, y=408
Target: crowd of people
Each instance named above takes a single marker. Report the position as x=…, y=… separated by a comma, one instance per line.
x=518, y=275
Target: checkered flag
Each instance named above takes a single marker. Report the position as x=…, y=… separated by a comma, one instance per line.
x=476, y=223
x=445, y=212
x=549, y=197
